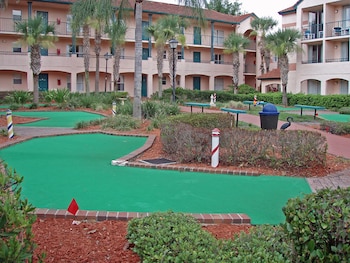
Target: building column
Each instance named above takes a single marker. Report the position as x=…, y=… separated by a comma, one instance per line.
x=73, y=82
x=212, y=83
x=323, y=87
x=150, y=90
x=182, y=81
x=212, y=42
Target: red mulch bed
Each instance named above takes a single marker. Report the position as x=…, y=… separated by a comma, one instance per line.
x=105, y=241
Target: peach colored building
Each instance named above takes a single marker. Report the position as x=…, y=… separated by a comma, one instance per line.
x=202, y=64
x=323, y=66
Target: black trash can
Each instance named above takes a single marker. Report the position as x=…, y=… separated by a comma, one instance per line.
x=269, y=117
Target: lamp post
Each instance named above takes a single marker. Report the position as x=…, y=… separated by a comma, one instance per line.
x=106, y=58
x=173, y=44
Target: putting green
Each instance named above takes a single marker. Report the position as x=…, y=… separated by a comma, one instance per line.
x=57, y=169
x=66, y=119
x=335, y=117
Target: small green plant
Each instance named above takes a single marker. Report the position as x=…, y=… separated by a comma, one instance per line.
x=344, y=110
x=19, y=97
x=16, y=220
x=121, y=123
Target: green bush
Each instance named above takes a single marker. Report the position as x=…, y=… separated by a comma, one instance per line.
x=19, y=97
x=171, y=237
x=319, y=226
x=344, y=110
x=263, y=243
x=16, y=220
x=120, y=122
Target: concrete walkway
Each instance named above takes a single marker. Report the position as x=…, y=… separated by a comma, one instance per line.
x=337, y=145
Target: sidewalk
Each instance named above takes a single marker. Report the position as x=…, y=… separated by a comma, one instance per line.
x=337, y=145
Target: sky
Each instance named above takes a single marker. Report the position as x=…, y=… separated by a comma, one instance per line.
x=260, y=8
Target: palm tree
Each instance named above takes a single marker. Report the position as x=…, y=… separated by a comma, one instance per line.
x=261, y=26
x=282, y=43
x=37, y=34
x=167, y=28
x=102, y=13
x=195, y=5
x=235, y=44
x=117, y=31
x=81, y=11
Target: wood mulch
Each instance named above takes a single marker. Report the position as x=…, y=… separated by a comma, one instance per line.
x=105, y=241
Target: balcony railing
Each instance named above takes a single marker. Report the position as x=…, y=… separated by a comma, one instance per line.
x=338, y=28
x=344, y=59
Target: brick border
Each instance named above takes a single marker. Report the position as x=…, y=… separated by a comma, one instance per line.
x=236, y=218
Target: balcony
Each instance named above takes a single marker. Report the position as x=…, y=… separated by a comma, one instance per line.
x=338, y=28
x=314, y=31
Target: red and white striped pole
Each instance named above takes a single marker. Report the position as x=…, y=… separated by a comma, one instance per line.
x=215, y=147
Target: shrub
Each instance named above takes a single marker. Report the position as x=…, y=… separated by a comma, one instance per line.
x=16, y=219
x=187, y=138
x=344, y=110
x=318, y=225
x=338, y=128
x=120, y=123
x=19, y=97
x=263, y=243
x=171, y=237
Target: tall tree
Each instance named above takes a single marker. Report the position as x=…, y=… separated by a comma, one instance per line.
x=195, y=5
x=226, y=7
x=165, y=29
x=100, y=18
x=117, y=31
x=81, y=11
x=235, y=44
x=261, y=27
x=37, y=34
x=282, y=43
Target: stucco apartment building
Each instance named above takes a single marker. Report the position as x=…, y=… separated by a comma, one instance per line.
x=323, y=66
x=202, y=64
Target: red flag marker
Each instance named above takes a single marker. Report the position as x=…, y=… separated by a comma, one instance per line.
x=73, y=207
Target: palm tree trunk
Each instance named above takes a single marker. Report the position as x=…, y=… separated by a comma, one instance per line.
x=138, y=61
x=284, y=67
x=35, y=65
x=160, y=59
x=86, y=50
x=235, y=63
x=116, y=67
x=97, y=53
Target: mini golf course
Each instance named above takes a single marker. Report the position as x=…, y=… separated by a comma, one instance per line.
x=57, y=169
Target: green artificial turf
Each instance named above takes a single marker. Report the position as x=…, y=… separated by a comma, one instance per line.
x=57, y=169
x=335, y=117
x=65, y=119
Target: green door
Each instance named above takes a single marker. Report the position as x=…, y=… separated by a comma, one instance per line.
x=145, y=53
x=197, y=83
x=144, y=86
x=196, y=57
x=43, y=82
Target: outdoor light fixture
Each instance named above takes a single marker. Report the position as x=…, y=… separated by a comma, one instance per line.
x=106, y=58
x=173, y=44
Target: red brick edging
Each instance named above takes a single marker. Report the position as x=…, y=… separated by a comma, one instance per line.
x=126, y=216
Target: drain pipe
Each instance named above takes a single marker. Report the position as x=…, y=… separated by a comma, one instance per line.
x=9, y=124
x=215, y=147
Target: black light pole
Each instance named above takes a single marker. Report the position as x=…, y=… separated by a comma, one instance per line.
x=106, y=57
x=173, y=44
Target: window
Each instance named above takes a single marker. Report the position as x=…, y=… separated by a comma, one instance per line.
x=69, y=24
x=197, y=57
x=120, y=83
x=315, y=54
x=344, y=88
x=219, y=59
x=218, y=38
x=197, y=37
x=164, y=81
x=145, y=53
x=145, y=35
x=78, y=50
x=219, y=84
x=313, y=87
x=17, y=78
x=179, y=55
x=16, y=47
x=16, y=15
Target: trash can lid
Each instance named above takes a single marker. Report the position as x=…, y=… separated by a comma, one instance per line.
x=269, y=109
